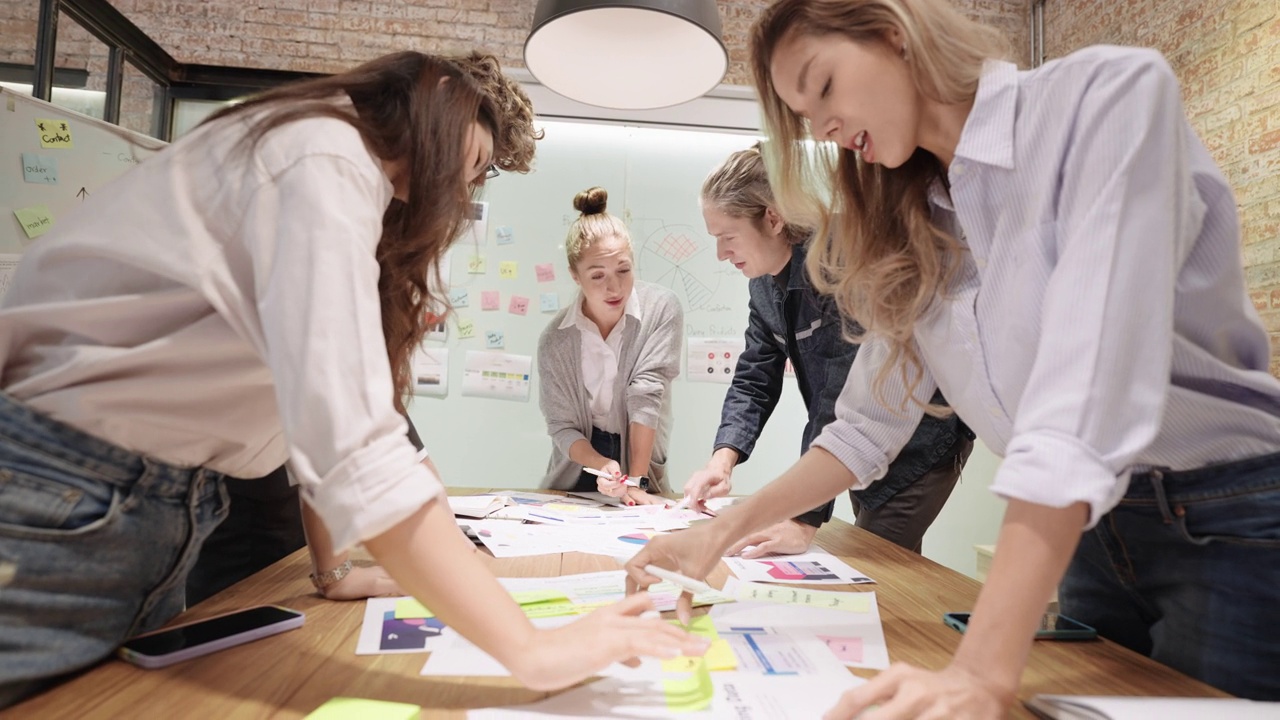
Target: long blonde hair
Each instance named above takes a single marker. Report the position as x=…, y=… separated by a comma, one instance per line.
x=740, y=189
x=593, y=225
x=877, y=250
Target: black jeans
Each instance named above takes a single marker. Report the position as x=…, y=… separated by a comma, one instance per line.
x=904, y=518
x=607, y=444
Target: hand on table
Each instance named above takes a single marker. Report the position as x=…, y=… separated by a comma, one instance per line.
x=787, y=537
x=559, y=657
x=905, y=691
x=363, y=582
x=694, y=552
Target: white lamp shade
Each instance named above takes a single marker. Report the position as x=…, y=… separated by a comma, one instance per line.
x=627, y=55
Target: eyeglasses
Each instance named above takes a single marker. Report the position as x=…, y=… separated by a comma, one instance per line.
x=491, y=173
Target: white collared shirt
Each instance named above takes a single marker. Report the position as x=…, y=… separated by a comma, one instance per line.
x=220, y=308
x=1100, y=323
x=600, y=359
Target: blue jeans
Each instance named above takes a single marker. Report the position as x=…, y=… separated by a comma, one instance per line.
x=95, y=545
x=1186, y=570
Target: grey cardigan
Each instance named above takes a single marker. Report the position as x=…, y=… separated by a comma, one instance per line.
x=650, y=359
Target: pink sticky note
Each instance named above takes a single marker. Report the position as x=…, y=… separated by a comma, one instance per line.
x=519, y=305
x=546, y=272
x=489, y=300
x=847, y=649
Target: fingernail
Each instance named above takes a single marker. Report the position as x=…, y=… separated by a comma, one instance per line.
x=631, y=502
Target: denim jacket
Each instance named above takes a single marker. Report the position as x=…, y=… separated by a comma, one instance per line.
x=821, y=358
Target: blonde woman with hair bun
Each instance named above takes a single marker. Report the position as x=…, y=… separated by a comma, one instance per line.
x=605, y=365
x=1057, y=252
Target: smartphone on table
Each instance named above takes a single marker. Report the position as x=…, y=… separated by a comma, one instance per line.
x=165, y=647
x=1052, y=626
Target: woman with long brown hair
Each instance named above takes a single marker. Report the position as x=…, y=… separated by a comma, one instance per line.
x=1058, y=253
x=251, y=293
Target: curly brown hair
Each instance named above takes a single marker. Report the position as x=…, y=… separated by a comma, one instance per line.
x=514, y=144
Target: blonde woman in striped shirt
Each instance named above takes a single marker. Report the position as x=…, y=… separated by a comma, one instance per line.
x=1058, y=253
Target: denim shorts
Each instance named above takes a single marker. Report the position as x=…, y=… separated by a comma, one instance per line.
x=95, y=545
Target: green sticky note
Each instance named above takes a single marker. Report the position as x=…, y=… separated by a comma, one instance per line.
x=410, y=608
x=549, y=609
x=35, y=220
x=702, y=626
x=529, y=597
x=361, y=709
x=691, y=693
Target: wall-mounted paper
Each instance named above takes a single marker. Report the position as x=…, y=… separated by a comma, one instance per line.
x=459, y=298
x=431, y=372
x=489, y=300
x=40, y=169
x=496, y=375
x=508, y=270
x=476, y=265
x=549, y=302
x=466, y=328
x=519, y=305
x=8, y=267
x=546, y=272
x=436, y=327
x=478, y=233
x=713, y=359
x=54, y=133
x=494, y=340
x=35, y=220
x=505, y=235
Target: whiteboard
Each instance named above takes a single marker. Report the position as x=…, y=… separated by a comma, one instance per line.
x=653, y=177
x=99, y=152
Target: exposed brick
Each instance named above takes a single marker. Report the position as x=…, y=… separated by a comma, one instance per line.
x=1259, y=299
x=1275, y=298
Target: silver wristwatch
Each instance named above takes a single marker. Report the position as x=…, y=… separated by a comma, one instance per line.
x=329, y=577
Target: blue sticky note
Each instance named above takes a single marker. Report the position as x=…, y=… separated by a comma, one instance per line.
x=550, y=302
x=41, y=169
x=493, y=339
x=458, y=297
x=505, y=235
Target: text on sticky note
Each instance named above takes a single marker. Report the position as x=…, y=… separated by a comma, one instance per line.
x=459, y=298
x=488, y=299
x=519, y=305
x=466, y=328
x=40, y=169
x=549, y=302
x=54, y=133
x=476, y=265
x=508, y=269
x=546, y=272
x=35, y=220
x=493, y=339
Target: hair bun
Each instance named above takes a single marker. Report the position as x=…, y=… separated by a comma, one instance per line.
x=591, y=202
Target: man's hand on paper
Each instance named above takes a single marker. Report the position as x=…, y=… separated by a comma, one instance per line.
x=559, y=657
x=364, y=582
x=905, y=691
x=694, y=552
x=714, y=480
x=787, y=538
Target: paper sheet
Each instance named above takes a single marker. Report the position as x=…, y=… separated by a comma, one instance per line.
x=501, y=376
x=811, y=568
x=849, y=601
x=382, y=633
x=431, y=372
x=1093, y=707
x=8, y=268
x=712, y=359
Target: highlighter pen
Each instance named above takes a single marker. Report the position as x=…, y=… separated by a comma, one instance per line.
x=684, y=581
x=629, y=481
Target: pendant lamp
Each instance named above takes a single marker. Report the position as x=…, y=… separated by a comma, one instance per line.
x=627, y=54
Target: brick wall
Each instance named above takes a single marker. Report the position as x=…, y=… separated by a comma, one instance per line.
x=1227, y=55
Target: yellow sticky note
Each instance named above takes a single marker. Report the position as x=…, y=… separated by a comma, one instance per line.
x=691, y=693
x=35, y=220
x=476, y=265
x=466, y=328
x=54, y=133
x=848, y=601
x=508, y=269
x=411, y=608
x=361, y=709
x=584, y=608
x=551, y=609
x=529, y=597
x=702, y=626
x=719, y=658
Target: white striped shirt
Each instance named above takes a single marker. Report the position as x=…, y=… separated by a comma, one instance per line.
x=1100, y=324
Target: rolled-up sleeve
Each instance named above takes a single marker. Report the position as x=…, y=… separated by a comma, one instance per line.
x=312, y=231
x=1127, y=218
x=866, y=435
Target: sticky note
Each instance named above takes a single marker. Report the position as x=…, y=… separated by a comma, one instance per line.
x=476, y=265
x=847, y=649
x=35, y=220
x=691, y=693
x=549, y=302
x=519, y=305
x=361, y=709
x=54, y=133
x=489, y=300
x=493, y=339
x=466, y=328
x=411, y=608
x=40, y=169
x=546, y=610
x=546, y=272
x=459, y=298
x=529, y=597
x=848, y=601
x=719, y=658
x=508, y=269
x=505, y=235
x=702, y=626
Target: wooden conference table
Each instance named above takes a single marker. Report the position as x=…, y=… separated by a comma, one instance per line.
x=289, y=675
